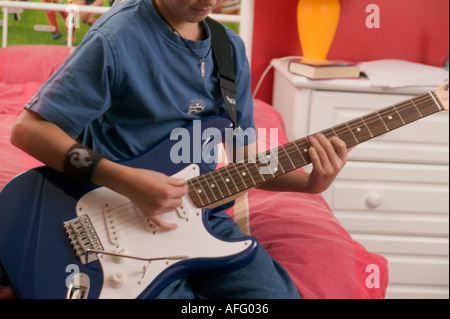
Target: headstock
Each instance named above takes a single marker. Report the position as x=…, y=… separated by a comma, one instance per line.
x=442, y=94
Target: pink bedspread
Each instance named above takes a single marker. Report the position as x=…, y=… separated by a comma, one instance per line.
x=12, y=99
x=298, y=230
x=301, y=232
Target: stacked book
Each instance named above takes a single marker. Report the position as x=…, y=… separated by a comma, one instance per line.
x=327, y=69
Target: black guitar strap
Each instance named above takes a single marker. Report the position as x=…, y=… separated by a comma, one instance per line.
x=225, y=67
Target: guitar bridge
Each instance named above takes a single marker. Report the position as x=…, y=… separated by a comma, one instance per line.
x=83, y=237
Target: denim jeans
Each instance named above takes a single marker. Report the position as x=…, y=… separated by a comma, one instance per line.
x=263, y=278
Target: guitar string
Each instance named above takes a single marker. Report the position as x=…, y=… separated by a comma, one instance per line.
x=130, y=223
x=123, y=224
x=128, y=208
x=99, y=219
x=293, y=146
x=366, y=120
x=378, y=115
x=287, y=154
x=105, y=236
x=116, y=226
x=375, y=115
x=135, y=219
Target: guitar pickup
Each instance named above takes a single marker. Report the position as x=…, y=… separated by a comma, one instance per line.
x=83, y=238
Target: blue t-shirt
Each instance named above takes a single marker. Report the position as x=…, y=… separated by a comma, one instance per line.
x=132, y=81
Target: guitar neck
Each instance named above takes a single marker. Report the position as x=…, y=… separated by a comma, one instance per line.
x=219, y=186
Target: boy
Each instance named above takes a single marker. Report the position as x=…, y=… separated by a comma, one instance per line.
x=127, y=86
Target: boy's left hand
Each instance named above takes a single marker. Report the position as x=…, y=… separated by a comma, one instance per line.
x=328, y=157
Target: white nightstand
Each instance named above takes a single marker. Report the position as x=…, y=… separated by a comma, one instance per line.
x=393, y=195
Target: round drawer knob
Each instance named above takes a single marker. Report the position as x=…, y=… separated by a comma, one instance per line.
x=374, y=200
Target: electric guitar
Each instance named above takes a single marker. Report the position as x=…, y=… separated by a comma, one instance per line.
x=60, y=238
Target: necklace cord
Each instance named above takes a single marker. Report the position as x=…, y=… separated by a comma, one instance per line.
x=202, y=59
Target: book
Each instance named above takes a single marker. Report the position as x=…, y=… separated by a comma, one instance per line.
x=328, y=69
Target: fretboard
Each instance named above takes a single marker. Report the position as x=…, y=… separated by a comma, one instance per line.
x=217, y=186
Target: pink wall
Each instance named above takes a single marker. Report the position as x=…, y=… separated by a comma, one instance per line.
x=415, y=30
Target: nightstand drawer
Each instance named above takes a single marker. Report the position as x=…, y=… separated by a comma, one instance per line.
x=425, y=141
x=389, y=245
x=376, y=198
x=394, y=218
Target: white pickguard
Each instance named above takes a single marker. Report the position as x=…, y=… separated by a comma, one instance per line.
x=122, y=230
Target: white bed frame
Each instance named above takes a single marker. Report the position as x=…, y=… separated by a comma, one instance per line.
x=245, y=19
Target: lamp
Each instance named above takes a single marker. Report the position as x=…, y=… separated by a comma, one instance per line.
x=317, y=22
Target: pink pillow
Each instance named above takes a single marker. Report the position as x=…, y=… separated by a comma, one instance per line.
x=13, y=97
x=30, y=63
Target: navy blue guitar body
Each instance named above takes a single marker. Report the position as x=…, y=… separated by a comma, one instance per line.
x=40, y=260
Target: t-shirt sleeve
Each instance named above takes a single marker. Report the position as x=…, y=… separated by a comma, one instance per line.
x=80, y=90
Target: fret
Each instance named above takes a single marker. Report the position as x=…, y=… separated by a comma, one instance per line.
x=409, y=112
x=214, y=185
x=283, y=161
x=399, y=115
x=345, y=134
x=333, y=134
x=300, y=150
x=218, y=180
x=195, y=194
x=248, y=175
x=433, y=96
x=225, y=180
x=207, y=190
x=239, y=171
x=350, y=130
x=330, y=133
x=296, y=155
x=210, y=192
x=368, y=129
x=256, y=174
x=265, y=160
x=287, y=163
x=303, y=146
x=360, y=130
x=374, y=124
x=429, y=105
x=280, y=167
x=274, y=156
x=412, y=101
x=230, y=180
x=391, y=118
x=381, y=119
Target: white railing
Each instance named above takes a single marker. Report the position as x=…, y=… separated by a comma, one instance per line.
x=69, y=8
x=245, y=19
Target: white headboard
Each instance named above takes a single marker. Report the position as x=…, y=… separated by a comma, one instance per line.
x=245, y=19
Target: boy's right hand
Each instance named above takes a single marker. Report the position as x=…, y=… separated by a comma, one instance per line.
x=153, y=193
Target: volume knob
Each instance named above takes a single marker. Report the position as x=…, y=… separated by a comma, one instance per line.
x=117, y=280
x=119, y=255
